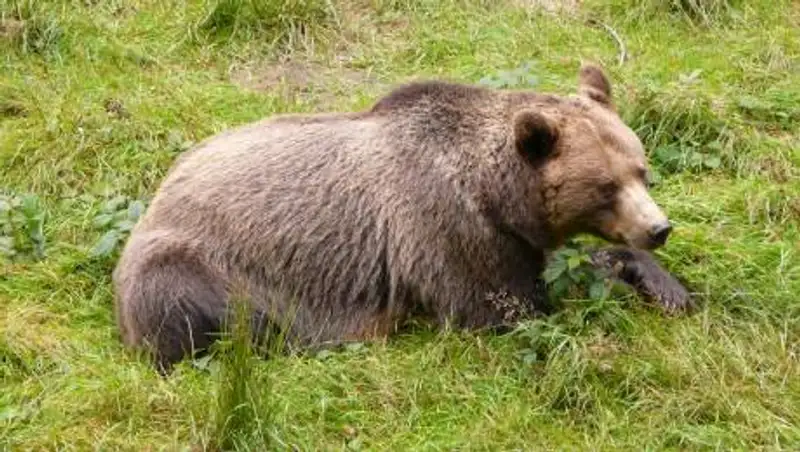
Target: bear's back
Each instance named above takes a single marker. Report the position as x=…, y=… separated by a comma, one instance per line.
x=403, y=140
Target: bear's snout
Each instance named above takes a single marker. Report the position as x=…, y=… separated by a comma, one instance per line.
x=660, y=232
x=638, y=220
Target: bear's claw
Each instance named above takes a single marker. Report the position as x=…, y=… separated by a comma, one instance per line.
x=641, y=271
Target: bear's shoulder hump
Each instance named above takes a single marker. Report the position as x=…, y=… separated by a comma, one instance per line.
x=435, y=92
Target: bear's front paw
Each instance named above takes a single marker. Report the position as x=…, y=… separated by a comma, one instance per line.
x=668, y=292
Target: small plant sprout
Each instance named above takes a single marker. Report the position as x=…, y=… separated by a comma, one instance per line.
x=117, y=217
x=22, y=227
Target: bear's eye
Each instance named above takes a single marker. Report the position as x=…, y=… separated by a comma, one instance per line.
x=644, y=176
x=608, y=189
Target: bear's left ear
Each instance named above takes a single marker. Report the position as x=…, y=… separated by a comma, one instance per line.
x=594, y=84
x=535, y=135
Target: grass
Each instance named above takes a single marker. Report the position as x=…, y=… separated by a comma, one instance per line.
x=98, y=98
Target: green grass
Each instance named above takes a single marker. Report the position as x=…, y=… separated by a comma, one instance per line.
x=98, y=98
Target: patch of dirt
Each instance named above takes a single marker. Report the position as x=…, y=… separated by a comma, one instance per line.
x=774, y=168
x=115, y=108
x=794, y=205
x=11, y=28
x=603, y=349
x=365, y=16
x=795, y=15
x=305, y=80
x=10, y=109
x=569, y=7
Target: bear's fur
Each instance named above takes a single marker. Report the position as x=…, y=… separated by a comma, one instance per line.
x=438, y=196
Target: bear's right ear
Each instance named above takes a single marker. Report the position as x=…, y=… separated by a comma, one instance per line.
x=594, y=84
x=534, y=135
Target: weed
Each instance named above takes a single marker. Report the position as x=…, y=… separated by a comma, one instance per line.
x=117, y=218
x=384, y=6
x=706, y=13
x=680, y=127
x=22, y=220
x=771, y=110
x=570, y=353
x=521, y=77
x=30, y=27
x=545, y=338
x=277, y=22
x=570, y=272
x=242, y=405
x=11, y=104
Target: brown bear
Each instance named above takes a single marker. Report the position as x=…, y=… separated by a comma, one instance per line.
x=436, y=197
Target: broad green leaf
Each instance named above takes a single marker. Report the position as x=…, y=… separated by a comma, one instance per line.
x=354, y=347
x=114, y=204
x=569, y=252
x=120, y=215
x=529, y=358
x=124, y=225
x=554, y=271
x=102, y=220
x=598, y=290
x=713, y=161
x=135, y=210
x=30, y=205
x=6, y=245
x=696, y=158
x=10, y=413
x=202, y=363
x=106, y=244
x=667, y=154
x=560, y=287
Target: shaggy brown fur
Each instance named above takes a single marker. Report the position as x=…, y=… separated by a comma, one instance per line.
x=436, y=197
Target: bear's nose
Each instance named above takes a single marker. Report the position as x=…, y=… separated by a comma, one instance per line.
x=660, y=232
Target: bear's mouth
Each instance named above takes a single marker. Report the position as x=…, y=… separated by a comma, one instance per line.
x=639, y=243
x=620, y=239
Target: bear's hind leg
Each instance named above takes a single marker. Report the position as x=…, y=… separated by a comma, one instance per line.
x=171, y=305
x=640, y=270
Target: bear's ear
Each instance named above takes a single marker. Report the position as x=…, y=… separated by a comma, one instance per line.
x=534, y=135
x=593, y=83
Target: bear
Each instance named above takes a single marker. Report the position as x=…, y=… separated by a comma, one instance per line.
x=340, y=226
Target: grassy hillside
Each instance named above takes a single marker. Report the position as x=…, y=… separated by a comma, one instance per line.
x=98, y=97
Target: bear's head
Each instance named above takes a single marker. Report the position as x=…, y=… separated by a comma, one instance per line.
x=592, y=173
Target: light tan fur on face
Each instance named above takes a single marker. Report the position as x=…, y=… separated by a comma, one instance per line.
x=598, y=183
x=635, y=213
